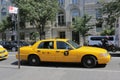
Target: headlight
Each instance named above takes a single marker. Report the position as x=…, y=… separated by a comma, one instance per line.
x=3, y=51
x=103, y=54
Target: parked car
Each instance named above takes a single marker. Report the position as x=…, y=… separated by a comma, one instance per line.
x=3, y=53
x=63, y=50
x=13, y=45
x=106, y=42
x=96, y=40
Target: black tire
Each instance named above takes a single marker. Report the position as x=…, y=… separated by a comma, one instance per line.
x=114, y=49
x=103, y=65
x=33, y=60
x=89, y=61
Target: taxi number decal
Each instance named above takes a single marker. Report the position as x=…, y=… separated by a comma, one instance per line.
x=66, y=53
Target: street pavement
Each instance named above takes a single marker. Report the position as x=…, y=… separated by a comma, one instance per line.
x=50, y=71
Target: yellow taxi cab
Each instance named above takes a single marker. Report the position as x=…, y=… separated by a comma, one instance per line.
x=63, y=50
x=3, y=53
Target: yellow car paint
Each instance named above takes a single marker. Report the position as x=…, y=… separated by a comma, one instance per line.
x=71, y=54
x=3, y=53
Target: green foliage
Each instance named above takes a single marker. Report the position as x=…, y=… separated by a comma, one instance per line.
x=37, y=12
x=81, y=25
x=112, y=12
x=5, y=24
x=34, y=35
x=108, y=32
x=111, y=8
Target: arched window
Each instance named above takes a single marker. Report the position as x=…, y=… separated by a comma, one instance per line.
x=3, y=2
x=61, y=2
x=61, y=18
x=75, y=13
x=74, y=1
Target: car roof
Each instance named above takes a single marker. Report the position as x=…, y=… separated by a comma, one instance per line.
x=54, y=39
x=58, y=39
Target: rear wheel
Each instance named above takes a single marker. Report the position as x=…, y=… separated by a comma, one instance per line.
x=89, y=61
x=114, y=49
x=34, y=60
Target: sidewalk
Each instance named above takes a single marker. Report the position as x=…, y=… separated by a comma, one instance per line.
x=117, y=52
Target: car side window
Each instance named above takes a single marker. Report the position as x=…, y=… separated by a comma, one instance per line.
x=46, y=45
x=62, y=45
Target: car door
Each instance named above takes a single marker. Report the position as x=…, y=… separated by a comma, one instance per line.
x=46, y=51
x=63, y=54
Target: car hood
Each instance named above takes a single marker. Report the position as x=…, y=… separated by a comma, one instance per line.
x=2, y=48
x=88, y=49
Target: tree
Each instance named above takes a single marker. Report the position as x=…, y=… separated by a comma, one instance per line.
x=112, y=12
x=38, y=12
x=34, y=35
x=108, y=32
x=6, y=24
x=82, y=26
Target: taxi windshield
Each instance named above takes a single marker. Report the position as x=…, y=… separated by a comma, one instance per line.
x=75, y=45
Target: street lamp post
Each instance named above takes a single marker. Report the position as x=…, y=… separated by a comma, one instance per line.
x=18, y=39
x=15, y=11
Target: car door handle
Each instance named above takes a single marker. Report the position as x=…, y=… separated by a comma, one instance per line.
x=38, y=50
x=57, y=51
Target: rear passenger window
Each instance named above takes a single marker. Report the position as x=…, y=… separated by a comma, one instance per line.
x=46, y=45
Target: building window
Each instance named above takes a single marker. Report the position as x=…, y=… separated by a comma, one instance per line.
x=61, y=19
x=99, y=27
x=75, y=13
x=3, y=12
x=98, y=14
x=75, y=37
x=74, y=1
x=90, y=1
x=62, y=34
x=3, y=36
x=22, y=36
x=3, y=2
x=61, y=2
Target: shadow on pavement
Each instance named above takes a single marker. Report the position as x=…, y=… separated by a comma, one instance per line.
x=2, y=59
x=56, y=65
x=115, y=55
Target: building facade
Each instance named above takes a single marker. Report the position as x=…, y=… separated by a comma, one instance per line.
x=4, y=4
x=117, y=33
x=62, y=27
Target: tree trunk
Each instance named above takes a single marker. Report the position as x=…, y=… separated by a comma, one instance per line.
x=42, y=32
x=82, y=40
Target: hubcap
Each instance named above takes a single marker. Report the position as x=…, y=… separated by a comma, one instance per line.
x=33, y=60
x=89, y=61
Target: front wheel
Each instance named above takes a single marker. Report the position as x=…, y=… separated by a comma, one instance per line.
x=89, y=61
x=34, y=60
